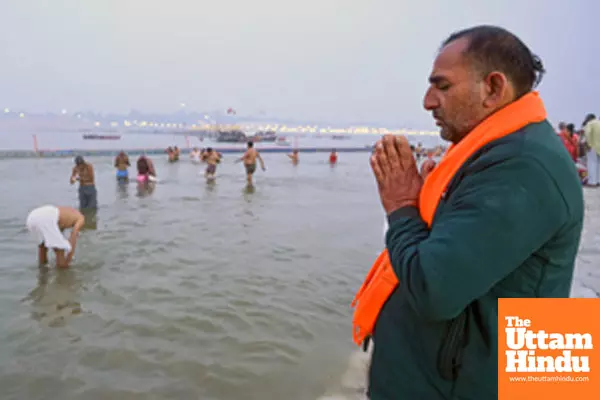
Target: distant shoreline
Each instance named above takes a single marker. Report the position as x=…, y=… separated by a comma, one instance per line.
x=99, y=153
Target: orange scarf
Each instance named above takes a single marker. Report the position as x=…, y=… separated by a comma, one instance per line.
x=381, y=280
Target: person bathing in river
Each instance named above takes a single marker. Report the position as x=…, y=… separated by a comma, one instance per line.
x=419, y=151
x=47, y=223
x=172, y=154
x=145, y=169
x=84, y=173
x=212, y=158
x=294, y=157
x=249, y=158
x=195, y=155
x=122, y=164
x=333, y=157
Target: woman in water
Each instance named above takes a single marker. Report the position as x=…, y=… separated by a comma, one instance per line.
x=145, y=169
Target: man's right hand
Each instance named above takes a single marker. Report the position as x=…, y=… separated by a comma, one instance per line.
x=73, y=241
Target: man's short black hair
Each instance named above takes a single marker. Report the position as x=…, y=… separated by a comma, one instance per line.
x=250, y=144
x=495, y=49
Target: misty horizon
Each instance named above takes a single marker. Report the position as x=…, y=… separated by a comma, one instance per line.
x=310, y=61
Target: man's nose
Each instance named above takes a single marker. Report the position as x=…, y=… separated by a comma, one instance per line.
x=430, y=101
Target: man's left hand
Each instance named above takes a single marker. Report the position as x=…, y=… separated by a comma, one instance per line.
x=395, y=170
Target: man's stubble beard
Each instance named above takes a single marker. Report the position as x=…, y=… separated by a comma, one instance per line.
x=470, y=116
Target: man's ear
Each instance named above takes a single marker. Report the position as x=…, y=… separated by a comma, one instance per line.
x=496, y=85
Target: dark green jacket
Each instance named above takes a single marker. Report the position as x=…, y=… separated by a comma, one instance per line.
x=508, y=225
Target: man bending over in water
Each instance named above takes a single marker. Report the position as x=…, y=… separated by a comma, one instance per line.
x=46, y=223
x=212, y=158
x=249, y=159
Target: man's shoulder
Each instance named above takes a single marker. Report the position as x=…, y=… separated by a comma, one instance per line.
x=534, y=154
x=534, y=144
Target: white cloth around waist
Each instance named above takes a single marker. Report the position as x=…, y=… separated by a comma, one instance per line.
x=43, y=224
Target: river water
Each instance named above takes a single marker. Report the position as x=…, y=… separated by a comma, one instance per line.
x=192, y=291
x=197, y=291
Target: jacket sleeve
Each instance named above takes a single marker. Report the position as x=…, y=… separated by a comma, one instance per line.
x=493, y=221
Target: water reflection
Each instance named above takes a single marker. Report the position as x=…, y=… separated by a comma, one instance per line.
x=173, y=170
x=248, y=190
x=53, y=300
x=211, y=184
x=145, y=189
x=91, y=219
x=122, y=189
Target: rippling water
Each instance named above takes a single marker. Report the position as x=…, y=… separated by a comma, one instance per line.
x=193, y=291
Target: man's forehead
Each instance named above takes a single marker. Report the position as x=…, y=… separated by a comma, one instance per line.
x=450, y=58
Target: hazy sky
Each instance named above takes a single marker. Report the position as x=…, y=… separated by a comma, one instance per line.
x=340, y=60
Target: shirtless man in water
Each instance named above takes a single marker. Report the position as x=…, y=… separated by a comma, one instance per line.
x=249, y=158
x=212, y=158
x=122, y=164
x=47, y=223
x=84, y=173
x=294, y=157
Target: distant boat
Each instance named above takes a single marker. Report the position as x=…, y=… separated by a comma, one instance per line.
x=95, y=136
x=339, y=137
x=231, y=137
x=265, y=136
x=282, y=141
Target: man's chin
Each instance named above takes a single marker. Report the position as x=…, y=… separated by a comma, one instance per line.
x=445, y=134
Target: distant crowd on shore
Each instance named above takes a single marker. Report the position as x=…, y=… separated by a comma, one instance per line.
x=583, y=146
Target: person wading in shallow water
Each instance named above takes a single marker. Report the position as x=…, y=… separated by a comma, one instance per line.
x=249, y=158
x=122, y=164
x=47, y=223
x=333, y=157
x=212, y=158
x=145, y=169
x=499, y=216
x=294, y=157
x=84, y=173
